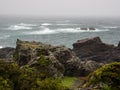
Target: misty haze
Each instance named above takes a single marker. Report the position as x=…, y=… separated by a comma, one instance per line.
x=57, y=44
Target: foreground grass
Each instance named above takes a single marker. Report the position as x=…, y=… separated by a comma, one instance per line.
x=68, y=81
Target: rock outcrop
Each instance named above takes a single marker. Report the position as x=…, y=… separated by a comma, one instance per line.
x=63, y=60
x=94, y=49
x=6, y=53
x=86, y=56
x=83, y=28
x=92, y=28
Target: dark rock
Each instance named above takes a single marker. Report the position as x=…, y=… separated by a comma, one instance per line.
x=6, y=53
x=83, y=28
x=68, y=58
x=95, y=49
x=89, y=66
x=92, y=28
x=87, y=56
x=63, y=59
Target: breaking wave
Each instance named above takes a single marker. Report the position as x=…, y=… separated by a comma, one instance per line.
x=111, y=27
x=64, y=30
x=1, y=47
x=5, y=36
x=65, y=24
x=18, y=27
x=77, y=30
x=21, y=26
x=46, y=24
x=45, y=31
x=24, y=24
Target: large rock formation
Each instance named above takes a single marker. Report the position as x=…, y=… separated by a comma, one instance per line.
x=63, y=60
x=86, y=56
x=94, y=49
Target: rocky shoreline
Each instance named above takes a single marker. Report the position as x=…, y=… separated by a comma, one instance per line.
x=86, y=56
x=82, y=59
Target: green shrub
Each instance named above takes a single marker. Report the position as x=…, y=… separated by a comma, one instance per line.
x=68, y=81
x=106, y=87
x=5, y=84
x=43, y=61
x=12, y=77
x=107, y=75
x=15, y=56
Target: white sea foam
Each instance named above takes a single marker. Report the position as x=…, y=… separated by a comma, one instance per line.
x=45, y=31
x=110, y=27
x=21, y=26
x=18, y=27
x=65, y=24
x=78, y=30
x=64, y=30
x=1, y=47
x=5, y=36
x=67, y=30
x=46, y=24
x=25, y=24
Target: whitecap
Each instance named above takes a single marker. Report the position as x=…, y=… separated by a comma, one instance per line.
x=25, y=24
x=110, y=27
x=76, y=30
x=63, y=30
x=46, y=24
x=5, y=36
x=45, y=31
x=18, y=27
x=1, y=47
x=67, y=30
x=65, y=24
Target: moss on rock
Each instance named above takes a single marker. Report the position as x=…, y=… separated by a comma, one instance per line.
x=108, y=75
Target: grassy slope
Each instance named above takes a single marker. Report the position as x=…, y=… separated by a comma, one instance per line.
x=68, y=81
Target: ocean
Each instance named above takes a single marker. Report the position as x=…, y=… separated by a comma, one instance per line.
x=57, y=31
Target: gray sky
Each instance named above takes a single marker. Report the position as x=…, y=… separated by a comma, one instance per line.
x=101, y=8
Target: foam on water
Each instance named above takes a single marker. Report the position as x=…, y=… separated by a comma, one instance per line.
x=18, y=27
x=111, y=27
x=45, y=31
x=76, y=30
x=65, y=24
x=63, y=30
x=46, y=24
x=5, y=36
x=25, y=24
x=1, y=47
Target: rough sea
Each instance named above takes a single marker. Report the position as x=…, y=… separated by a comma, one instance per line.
x=57, y=31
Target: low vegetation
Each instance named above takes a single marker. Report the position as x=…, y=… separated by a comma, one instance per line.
x=107, y=77
x=68, y=81
x=12, y=77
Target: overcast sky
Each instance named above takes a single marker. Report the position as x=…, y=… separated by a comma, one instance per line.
x=101, y=8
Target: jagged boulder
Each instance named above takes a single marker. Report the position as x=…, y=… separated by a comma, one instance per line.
x=63, y=60
x=89, y=66
x=92, y=28
x=83, y=28
x=37, y=55
x=68, y=58
x=6, y=53
x=86, y=56
x=93, y=49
